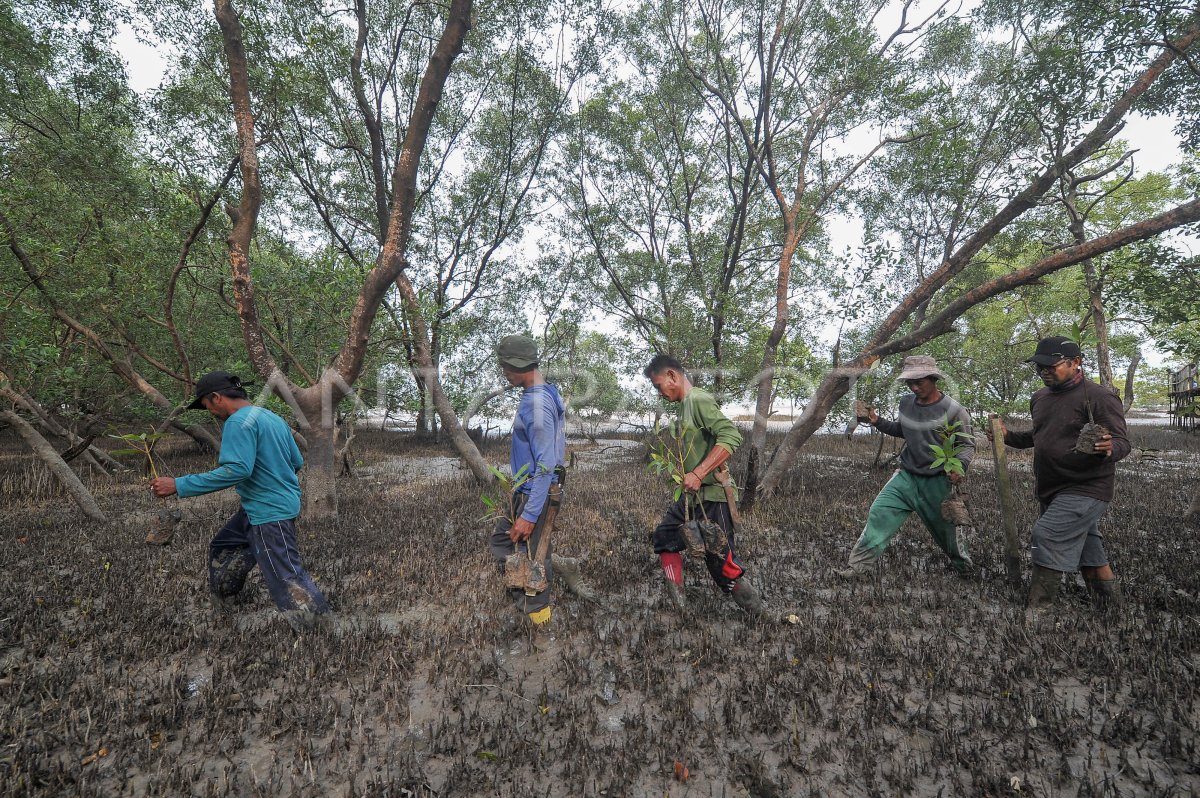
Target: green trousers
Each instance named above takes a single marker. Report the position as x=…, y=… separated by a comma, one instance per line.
x=902, y=495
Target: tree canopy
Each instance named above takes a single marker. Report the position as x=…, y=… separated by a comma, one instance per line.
x=365, y=197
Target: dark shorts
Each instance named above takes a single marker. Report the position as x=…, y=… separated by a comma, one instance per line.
x=668, y=537
x=1067, y=536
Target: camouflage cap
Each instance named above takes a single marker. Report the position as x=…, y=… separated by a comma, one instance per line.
x=517, y=351
x=918, y=366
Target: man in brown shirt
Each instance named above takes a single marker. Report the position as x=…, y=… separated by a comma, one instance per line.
x=1074, y=487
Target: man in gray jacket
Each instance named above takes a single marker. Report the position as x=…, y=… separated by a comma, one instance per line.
x=918, y=485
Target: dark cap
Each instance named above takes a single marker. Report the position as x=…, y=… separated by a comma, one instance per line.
x=517, y=351
x=211, y=383
x=1053, y=349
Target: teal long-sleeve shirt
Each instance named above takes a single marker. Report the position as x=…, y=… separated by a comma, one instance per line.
x=259, y=459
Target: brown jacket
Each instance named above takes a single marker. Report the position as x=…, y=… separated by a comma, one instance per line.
x=1058, y=416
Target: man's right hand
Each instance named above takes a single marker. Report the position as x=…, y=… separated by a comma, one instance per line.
x=988, y=430
x=162, y=487
x=521, y=530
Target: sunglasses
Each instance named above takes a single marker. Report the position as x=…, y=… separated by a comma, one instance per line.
x=1052, y=367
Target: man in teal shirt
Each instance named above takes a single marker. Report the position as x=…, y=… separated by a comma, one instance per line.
x=260, y=460
x=706, y=439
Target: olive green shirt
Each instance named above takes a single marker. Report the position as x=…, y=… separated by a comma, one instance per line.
x=699, y=426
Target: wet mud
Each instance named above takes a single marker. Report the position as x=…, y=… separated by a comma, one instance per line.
x=118, y=675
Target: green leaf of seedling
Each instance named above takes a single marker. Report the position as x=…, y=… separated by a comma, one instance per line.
x=487, y=756
x=123, y=452
x=678, y=492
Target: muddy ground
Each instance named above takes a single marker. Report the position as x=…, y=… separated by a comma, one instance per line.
x=116, y=677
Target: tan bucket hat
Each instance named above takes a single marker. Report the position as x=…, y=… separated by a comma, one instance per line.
x=918, y=366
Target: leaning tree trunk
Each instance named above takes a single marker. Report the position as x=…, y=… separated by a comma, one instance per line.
x=428, y=372
x=57, y=466
x=92, y=454
x=837, y=382
x=120, y=365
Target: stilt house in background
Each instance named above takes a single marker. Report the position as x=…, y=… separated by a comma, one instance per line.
x=1184, y=396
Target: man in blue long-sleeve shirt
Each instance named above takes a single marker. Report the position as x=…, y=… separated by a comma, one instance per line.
x=539, y=446
x=260, y=460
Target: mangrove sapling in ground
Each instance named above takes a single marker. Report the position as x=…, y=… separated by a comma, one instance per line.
x=142, y=444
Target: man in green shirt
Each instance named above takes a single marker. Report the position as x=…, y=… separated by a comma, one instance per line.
x=706, y=439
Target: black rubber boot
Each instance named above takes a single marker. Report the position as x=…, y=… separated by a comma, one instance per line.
x=567, y=569
x=746, y=597
x=1043, y=590
x=1105, y=593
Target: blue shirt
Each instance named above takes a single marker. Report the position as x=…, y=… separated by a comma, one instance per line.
x=259, y=458
x=539, y=444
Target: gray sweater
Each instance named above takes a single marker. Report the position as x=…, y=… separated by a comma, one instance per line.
x=919, y=425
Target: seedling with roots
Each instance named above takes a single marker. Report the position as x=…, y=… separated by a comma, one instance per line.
x=668, y=457
x=946, y=454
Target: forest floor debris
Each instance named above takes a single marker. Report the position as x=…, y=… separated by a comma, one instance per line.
x=912, y=682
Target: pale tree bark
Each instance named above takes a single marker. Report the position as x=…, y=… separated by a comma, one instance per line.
x=316, y=404
x=883, y=343
x=1194, y=511
x=1129, y=375
x=58, y=467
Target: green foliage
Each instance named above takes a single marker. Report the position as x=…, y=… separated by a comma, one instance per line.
x=669, y=454
x=946, y=453
x=501, y=503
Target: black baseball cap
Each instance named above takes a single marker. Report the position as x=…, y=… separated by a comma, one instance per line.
x=1053, y=349
x=211, y=383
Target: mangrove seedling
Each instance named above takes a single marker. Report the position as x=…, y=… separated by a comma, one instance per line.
x=141, y=444
x=667, y=456
x=507, y=485
x=946, y=452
